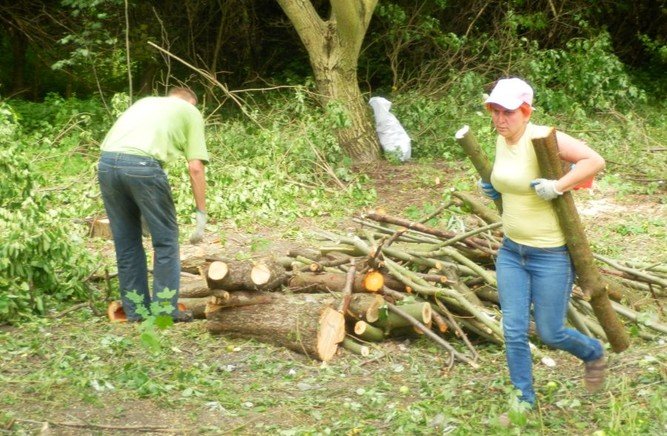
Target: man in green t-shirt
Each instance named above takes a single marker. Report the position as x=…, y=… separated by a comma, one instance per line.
x=151, y=133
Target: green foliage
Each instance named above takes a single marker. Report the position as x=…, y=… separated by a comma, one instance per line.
x=42, y=260
x=584, y=74
x=157, y=316
x=289, y=167
x=93, y=44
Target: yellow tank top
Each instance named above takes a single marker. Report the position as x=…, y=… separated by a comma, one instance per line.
x=527, y=219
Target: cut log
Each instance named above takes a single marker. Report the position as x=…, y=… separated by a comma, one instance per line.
x=309, y=325
x=194, y=288
x=268, y=275
x=373, y=281
x=101, y=228
x=196, y=305
x=244, y=275
x=216, y=271
x=367, y=332
x=116, y=313
x=361, y=304
x=373, y=311
x=588, y=276
x=355, y=347
x=333, y=282
x=477, y=156
x=194, y=264
x=238, y=299
x=308, y=253
x=420, y=311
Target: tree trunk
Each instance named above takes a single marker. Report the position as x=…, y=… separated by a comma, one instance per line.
x=306, y=325
x=588, y=275
x=333, y=49
x=19, y=44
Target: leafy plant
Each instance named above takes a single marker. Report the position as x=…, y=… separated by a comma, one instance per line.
x=42, y=259
x=157, y=316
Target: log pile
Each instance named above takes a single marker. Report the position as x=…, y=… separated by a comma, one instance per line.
x=391, y=278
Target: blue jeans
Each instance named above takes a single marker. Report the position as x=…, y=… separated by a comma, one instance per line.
x=133, y=186
x=542, y=277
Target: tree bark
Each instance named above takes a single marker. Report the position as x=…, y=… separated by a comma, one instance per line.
x=489, y=215
x=308, y=325
x=332, y=282
x=244, y=275
x=588, y=275
x=360, y=304
x=333, y=49
x=196, y=305
x=420, y=311
x=478, y=157
x=238, y=299
x=194, y=288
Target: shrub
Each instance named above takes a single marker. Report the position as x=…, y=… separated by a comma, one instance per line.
x=42, y=260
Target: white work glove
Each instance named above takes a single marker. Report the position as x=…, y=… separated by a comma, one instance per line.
x=545, y=188
x=198, y=235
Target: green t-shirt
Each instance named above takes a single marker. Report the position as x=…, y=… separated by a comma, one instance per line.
x=160, y=127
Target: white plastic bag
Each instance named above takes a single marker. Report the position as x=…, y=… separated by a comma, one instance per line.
x=393, y=137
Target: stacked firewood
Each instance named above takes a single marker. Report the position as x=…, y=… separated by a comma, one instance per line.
x=392, y=277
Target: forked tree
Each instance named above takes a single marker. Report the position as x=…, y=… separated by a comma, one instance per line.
x=333, y=47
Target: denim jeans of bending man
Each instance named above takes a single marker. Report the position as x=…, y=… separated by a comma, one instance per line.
x=133, y=186
x=541, y=277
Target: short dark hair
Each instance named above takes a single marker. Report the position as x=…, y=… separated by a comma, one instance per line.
x=182, y=91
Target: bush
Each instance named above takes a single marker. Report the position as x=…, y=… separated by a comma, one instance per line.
x=585, y=74
x=42, y=259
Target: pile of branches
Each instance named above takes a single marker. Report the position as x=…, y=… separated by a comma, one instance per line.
x=393, y=277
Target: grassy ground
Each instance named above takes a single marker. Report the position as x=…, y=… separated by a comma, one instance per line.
x=78, y=374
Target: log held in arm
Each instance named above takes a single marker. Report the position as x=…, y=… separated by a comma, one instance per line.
x=588, y=276
x=480, y=161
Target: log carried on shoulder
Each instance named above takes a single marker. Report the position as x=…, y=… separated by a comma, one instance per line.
x=588, y=276
x=310, y=325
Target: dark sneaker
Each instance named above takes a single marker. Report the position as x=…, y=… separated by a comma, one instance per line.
x=182, y=316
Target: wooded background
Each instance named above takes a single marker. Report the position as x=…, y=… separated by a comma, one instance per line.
x=79, y=46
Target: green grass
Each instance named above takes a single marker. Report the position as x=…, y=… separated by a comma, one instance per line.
x=53, y=370
x=269, y=183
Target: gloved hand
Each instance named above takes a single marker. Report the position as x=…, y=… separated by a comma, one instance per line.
x=198, y=235
x=546, y=189
x=488, y=189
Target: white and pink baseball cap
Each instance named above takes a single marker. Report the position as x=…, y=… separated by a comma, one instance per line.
x=511, y=93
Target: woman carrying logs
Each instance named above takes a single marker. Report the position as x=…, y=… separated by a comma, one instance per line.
x=533, y=265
